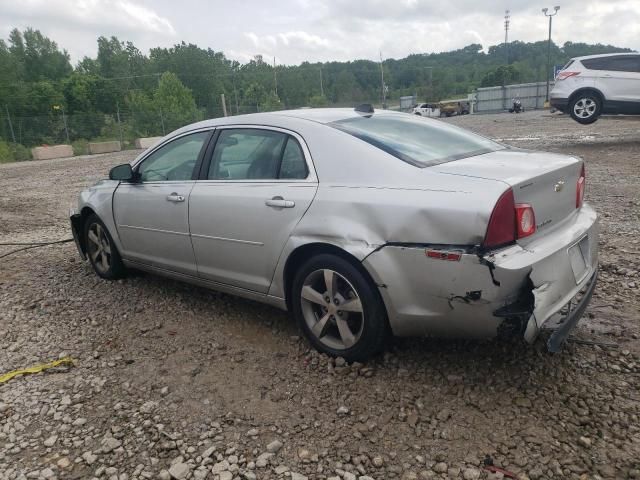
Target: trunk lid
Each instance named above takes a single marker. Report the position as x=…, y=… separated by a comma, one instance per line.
x=546, y=181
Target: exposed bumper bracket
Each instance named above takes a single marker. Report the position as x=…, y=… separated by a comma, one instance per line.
x=557, y=338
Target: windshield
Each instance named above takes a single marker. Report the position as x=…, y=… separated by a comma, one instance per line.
x=416, y=140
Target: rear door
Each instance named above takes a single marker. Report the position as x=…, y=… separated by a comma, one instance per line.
x=619, y=79
x=253, y=190
x=151, y=215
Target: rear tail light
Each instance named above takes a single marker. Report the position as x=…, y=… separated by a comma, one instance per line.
x=526, y=220
x=509, y=222
x=566, y=74
x=580, y=188
x=501, y=229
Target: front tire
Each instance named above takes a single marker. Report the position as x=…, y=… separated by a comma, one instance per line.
x=101, y=250
x=338, y=309
x=585, y=108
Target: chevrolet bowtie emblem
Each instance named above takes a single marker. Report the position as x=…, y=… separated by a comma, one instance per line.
x=559, y=186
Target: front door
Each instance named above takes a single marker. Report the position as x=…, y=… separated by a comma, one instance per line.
x=152, y=214
x=256, y=187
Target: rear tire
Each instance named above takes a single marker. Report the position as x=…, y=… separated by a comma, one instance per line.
x=101, y=250
x=585, y=107
x=338, y=309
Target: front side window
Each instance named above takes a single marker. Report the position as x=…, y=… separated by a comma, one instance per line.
x=416, y=140
x=256, y=154
x=174, y=161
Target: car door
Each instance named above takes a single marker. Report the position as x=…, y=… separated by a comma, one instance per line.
x=254, y=188
x=151, y=214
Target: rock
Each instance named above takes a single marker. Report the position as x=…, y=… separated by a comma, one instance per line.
x=342, y=410
x=304, y=454
x=63, y=463
x=226, y=475
x=179, y=470
x=440, y=467
x=297, y=476
x=89, y=457
x=46, y=473
x=109, y=444
x=471, y=474
x=274, y=446
x=164, y=475
x=50, y=442
x=263, y=460
x=148, y=407
x=523, y=402
x=378, y=462
x=253, y=432
x=584, y=442
x=221, y=467
x=208, y=452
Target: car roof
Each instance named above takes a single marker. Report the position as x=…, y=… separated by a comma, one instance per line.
x=587, y=57
x=317, y=115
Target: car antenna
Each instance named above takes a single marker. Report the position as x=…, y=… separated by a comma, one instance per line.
x=364, y=108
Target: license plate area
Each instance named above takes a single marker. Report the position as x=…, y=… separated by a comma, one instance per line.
x=579, y=257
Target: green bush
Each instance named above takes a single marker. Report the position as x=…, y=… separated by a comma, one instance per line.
x=6, y=155
x=13, y=152
x=20, y=152
x=80, y=147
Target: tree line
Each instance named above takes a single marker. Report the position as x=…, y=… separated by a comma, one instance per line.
x=123, y=93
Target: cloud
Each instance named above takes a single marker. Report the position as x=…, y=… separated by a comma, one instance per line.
x=320, y=30
x=76, y=24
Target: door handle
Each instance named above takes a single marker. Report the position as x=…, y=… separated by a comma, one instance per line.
x=280, y=202
x=174, y=197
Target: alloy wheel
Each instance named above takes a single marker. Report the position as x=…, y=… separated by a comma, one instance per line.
x=585, y=107
x=99, y=248
x=332, y=309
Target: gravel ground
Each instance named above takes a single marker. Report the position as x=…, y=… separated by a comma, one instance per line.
x=173, y=381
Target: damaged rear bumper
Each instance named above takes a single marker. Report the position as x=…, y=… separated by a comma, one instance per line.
x=521, y=289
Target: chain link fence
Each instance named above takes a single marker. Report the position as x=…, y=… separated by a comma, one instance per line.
x=18, y=134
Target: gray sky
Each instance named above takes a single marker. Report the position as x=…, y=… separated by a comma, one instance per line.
x=319, y=30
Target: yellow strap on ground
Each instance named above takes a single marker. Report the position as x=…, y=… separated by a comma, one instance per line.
x=36, y=369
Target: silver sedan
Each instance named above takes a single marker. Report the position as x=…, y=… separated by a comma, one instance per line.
x=362, y=224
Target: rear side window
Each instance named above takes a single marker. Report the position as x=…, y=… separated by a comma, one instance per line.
x=626, y=63
x=256, y=154
x=418, y=141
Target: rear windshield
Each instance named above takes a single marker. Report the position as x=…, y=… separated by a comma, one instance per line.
x=419, y=141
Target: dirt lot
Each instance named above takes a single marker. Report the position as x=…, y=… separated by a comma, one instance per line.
x=172, y=378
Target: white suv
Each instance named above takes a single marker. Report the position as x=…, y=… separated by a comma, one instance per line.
x=598, y=84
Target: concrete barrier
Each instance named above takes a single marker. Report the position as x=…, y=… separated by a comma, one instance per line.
x=53, y=151
x=147, y=142
x=104, y=147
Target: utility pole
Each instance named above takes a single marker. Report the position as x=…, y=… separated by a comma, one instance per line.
x=507, y=18
x=119, y=124
x=13, y=135
x=224, y=104
x=384, y=93
x=321, y=87
x=64, y=120
x=550, y=15
x=275, y=75
x=235, y=91
x=162, y=122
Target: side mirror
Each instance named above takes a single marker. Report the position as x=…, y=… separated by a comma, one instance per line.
x=123, y=173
